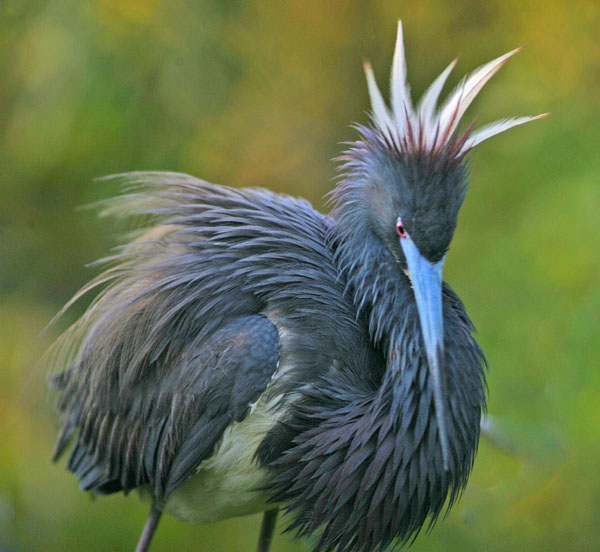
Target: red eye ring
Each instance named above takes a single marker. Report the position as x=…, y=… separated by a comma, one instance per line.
x=400, y=230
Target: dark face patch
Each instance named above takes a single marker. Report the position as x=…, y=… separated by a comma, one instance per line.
x=425, y=191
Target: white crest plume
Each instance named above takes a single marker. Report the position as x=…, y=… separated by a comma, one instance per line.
x=428, y=127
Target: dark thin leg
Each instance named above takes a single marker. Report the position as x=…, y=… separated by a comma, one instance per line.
x=266, y=530
x=149, y=528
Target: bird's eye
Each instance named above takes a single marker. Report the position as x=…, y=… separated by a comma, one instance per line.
x=400, y=230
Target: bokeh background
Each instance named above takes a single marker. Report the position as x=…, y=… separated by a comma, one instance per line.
x=252, y=93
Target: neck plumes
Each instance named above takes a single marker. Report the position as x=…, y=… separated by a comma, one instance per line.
x=384, y=297
x=365, y=463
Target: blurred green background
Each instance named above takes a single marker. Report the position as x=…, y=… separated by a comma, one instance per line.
x=262, y=93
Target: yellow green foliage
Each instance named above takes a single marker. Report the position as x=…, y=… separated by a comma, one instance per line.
x=252, y=93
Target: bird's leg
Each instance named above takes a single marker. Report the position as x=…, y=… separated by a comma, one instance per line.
x=149, y=528
x=266, y=530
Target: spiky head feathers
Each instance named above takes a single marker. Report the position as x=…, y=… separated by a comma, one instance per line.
x=427, y=127
x=409, y=163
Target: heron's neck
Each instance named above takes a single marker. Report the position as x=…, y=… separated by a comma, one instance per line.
x=384, y=298
x=380, y=289
x=384, y=473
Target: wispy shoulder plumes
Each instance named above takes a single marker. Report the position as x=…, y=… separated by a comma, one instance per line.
x=427, y=127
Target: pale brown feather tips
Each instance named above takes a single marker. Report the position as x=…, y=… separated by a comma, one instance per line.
x=429, y=127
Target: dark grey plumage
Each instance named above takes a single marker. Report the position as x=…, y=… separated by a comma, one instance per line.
x=359, y=424
x=371, y=469
x=258, y=354
x=222, y=258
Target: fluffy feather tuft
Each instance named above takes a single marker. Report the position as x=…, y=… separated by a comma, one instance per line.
x=428, y=128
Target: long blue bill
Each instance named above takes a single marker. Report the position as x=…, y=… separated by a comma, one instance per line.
x=426, y=279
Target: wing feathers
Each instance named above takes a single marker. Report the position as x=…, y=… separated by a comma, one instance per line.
x=214, y=385
x=175, y=336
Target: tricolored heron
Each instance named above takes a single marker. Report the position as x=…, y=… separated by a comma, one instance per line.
x=247, y=353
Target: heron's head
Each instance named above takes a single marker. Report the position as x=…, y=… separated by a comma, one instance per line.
x=404, y=182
